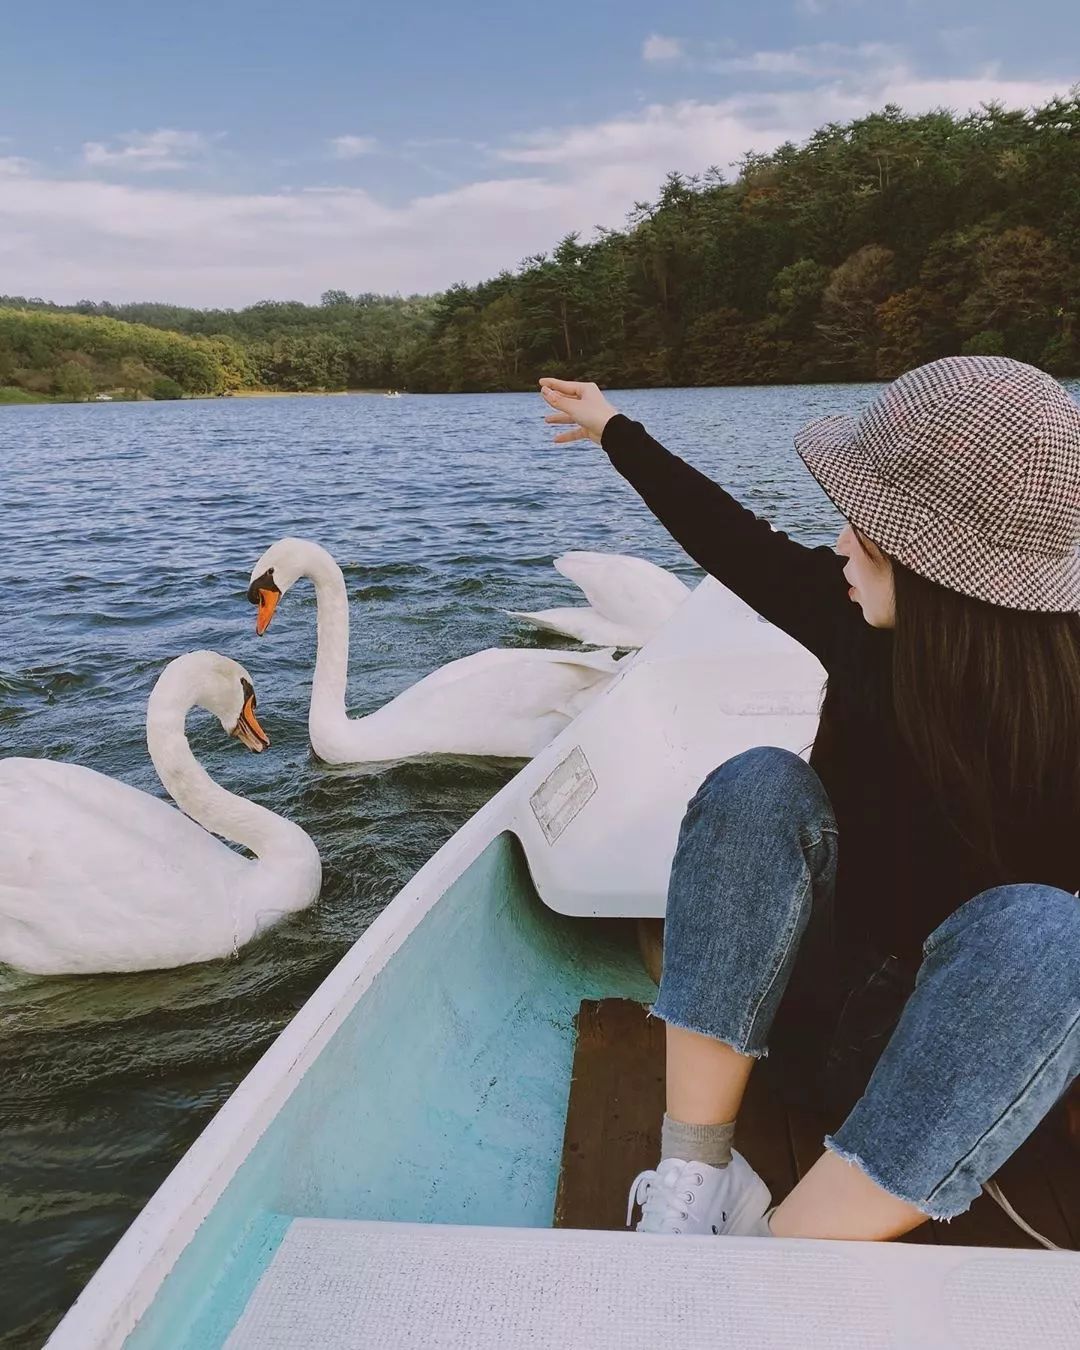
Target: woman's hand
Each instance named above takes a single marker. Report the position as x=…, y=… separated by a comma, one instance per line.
x=576, y=403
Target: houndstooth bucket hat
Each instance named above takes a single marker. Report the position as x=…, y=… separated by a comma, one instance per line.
x=966, y=470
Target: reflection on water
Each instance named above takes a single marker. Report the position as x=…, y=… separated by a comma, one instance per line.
x=130, y=531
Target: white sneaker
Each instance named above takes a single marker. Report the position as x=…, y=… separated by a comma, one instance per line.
x=697, y=1200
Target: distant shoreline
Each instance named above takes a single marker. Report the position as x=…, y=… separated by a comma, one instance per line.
x=12, y=397
x=294, y=393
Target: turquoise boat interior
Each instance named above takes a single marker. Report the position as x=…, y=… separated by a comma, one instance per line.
x=440, y=1099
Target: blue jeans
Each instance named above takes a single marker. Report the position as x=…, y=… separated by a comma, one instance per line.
x=987, y=1041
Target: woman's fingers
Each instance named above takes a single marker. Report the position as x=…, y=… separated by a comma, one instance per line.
x=576, y=402
x=571, y=387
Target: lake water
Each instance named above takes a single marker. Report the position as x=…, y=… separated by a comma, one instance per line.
x=129, y=535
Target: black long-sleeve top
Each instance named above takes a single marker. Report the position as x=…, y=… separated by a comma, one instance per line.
x=902, y=869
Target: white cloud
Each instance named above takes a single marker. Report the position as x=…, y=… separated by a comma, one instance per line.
x=351, y=147
x=819, y=59
x=121, y=241
x=658, y=48
x=690, y=135
x=147, y=151
x=13, y=164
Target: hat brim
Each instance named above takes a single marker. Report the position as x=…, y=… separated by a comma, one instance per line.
x=947, y=551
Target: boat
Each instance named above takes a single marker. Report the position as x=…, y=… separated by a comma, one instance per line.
x=436, y=1150
x=392, y=393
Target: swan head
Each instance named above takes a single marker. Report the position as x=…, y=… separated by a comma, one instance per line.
x=221, y=686
x=281, y=566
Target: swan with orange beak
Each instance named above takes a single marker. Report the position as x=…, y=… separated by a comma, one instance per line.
x=264, y=592
x=503, y=702
x=247, y=729
x=98, y=876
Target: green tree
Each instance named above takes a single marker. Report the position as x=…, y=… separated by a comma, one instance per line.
x=136, y=377
x=73, y=383
x=849, y=310
x=906, y=324
x=162, y=387
x=795, y=296
x=987, y=343
x=1022, y=285
x=497, y=344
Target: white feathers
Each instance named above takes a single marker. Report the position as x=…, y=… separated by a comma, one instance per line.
x=629, y=599
x=98, y=876
x=504, y=702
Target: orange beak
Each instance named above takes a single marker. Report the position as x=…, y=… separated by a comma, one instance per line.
x=268, y=600
x=247, y=729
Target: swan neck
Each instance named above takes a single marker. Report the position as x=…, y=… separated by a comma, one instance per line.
x=332, y=652
x=195, y=792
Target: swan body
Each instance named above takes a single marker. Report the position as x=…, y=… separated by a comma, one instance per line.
x=500, y=702
x=629, y=599
x=97, y=876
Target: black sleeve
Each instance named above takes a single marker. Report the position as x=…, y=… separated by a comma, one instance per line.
x=801, y=590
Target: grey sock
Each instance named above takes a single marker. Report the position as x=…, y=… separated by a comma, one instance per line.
x=701, y=1143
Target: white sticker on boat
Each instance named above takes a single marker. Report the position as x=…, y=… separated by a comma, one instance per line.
x=562, y=794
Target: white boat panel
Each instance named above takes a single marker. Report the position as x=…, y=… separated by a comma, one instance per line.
x=600, y=827
x=338, y=1284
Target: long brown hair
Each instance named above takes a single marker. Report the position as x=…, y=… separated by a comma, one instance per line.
x=988, y=702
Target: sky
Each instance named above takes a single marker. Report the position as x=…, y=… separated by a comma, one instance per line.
x=216, y=154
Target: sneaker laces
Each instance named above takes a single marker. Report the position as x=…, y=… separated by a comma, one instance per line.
x=994, y=1191
x=666, y=1203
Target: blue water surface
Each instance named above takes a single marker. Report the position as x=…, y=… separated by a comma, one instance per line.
x=129, y=532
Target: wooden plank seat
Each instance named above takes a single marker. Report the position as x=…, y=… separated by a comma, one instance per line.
x=613, y=1132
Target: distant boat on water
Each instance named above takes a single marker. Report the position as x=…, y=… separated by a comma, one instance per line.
x=392, y=393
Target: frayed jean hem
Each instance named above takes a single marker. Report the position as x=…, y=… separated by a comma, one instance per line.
x=924, y=1207
x=733, y=1043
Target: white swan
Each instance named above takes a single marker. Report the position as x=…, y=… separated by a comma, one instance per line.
x=503, y=702
x=629, y=599
x=98, y=876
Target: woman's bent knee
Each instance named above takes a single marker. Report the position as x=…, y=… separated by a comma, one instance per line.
x=756, y=849
x=771, y=785
x=1031, y=922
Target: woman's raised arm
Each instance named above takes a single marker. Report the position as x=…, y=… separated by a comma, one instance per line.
x=802, y=590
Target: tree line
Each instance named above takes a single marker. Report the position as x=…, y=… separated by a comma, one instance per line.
x=874, y=246
x=51, y=353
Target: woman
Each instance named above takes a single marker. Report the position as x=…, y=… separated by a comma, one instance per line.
x=923, y=865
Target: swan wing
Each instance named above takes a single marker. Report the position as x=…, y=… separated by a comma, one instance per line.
x=96, y=875
x=507, y=689
x=632, y=592
x=499, y=665
x=502, y=701
x=583, y=623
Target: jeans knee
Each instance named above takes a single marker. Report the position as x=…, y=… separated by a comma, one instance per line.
x=769, y=783
x=764, y=767
x=1030, y=924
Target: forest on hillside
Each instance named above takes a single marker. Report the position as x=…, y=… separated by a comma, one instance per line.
x=874, y=246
